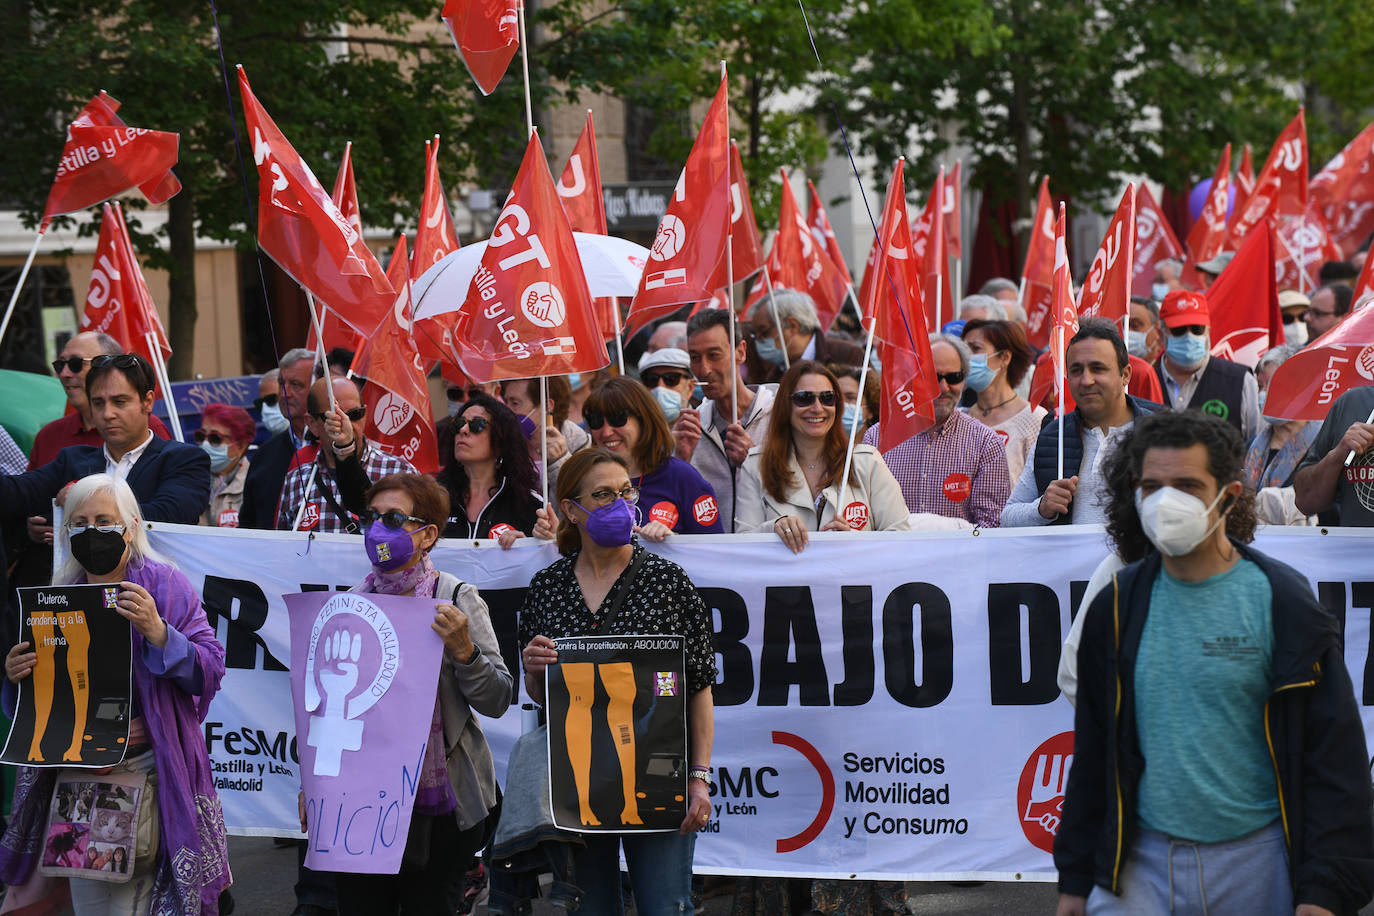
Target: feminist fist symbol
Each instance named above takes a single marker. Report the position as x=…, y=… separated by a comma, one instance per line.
x=334, y=732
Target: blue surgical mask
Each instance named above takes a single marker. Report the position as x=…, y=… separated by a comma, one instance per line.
x=698, y=394
x=850, y=417
x=575, y=380
x=669, y=401
x=1187, y=350
x=770, y=351
x=1138, y=348
x=274, y=419
x=1159, y=290
x=979, y=375
x=219, y=455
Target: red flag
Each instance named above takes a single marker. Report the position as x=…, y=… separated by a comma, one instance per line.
x=690, y=244
x=928, y=244
x=104, y=157
x=894, y=306
x=1154, y=241
x=1310, y=381
x=1245, y=186
x=528, y=312
x=1301, y=245
x=1244, y=302
x=487, y=35
x=1208, y=235
x=435, y=236
x=1063, y=319
x=117, y=301
x=953, y=208
x=580, y=190
x=746, y=251
x=345, y=197
x=1281, y=189
x=1344, y=193
x=1365, y=284
x=798, y=262
x=822, y=231
x=1038, y=276
x=1106, y=292
x=300, y=228
x=396, y=395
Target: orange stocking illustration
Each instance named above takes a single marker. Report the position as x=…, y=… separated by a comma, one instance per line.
x=580, y=678
x=78, y=637
x=42, y=682
x=619, y=680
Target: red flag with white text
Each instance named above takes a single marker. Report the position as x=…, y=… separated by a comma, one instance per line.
x=1364, y=286
x=1154, y=241
x=345, y=197
x=580, y=191
x=823, y=232
x=1063, y=318
x=928, y=244
x=746, y=251
x=952, y=205
x=1038, y=275
x=798, y=262
x=689, y=248
x=300, y=228
x=396, y=394
x=435, y=236
x=528, y=312
x=1301, y=245
x=1245, y=186
x=1244, y=302
x=487, y=35
x=103, y=157
x=1310, y=381
x=1207, y=238
x=1106, y=290
x=1344, y=193
x=1281, y=188
x=117, y=301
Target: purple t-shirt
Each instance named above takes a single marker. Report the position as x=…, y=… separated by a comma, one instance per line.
x=679, y=497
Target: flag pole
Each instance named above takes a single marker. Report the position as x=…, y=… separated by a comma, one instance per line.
x=23, y=275
x=858, y=413
x=619, y=334
x=160, y=369
x=730, y=265
x=854, y=299
x=529, y=129
x=319, y=346
x=544, y=434
x=773, y=308
x=525, y=67
x=1351, y=457
x=1059, y=390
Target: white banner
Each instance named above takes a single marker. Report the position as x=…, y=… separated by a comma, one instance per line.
x=886, y=707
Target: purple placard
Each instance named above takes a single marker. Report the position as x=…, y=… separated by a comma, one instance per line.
x=364, y=672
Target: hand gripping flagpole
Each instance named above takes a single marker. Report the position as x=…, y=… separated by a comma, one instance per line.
x=1351, y=457
x=23, y=275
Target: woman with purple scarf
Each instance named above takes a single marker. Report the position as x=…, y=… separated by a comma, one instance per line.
x=457, y=787
x=177, y=668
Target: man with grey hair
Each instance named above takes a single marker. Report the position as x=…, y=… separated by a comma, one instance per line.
x=979, y=307
x=1168, y=277
x=1001, y=288
x=276, y=456
x=958, y=467
x=798, y=334
x=669, y=335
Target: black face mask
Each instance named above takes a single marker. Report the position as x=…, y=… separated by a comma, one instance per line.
x=98, y=552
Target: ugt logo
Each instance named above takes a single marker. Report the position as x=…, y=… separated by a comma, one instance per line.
x=1040, y=791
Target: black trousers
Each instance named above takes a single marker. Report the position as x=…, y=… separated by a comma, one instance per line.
x=432, y=889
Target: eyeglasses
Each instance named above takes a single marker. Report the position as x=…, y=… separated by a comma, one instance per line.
x=268, y=399
x=75, y=528
x=118, y=360
x=654, y=379
x=807, y=398
x=1195, y=329
x=605, y=495
x=596, y=420
x=73, y=364
x=1315, y=313
x=758, y=333
x=356, y=414
x=949, y=378
x=477, y=425
x=392, y=518
x=215, y=439
x=459, y=394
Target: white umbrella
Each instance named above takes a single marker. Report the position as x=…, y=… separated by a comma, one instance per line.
x=613, y=267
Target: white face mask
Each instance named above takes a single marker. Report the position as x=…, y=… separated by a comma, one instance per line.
x=1295, y=333
x=1174, y=521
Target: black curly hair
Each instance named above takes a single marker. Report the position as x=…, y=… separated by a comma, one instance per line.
x=508, y=444
x=1177, y=430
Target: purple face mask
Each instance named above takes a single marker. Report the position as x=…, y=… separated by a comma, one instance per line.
x=388, y=548
x=610, y=525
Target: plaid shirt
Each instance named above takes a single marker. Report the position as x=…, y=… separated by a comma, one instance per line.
x=957, y=469
x=299, y=487
x=12, y=457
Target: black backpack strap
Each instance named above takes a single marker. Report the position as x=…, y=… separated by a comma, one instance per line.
x=350, y=523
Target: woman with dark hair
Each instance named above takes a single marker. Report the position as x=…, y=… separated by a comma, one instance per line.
x=492, y=484
x=673, y=497
x=225, y=434
x=859, y=407
x=792, y=482
x=596, y=497
x=999, y=362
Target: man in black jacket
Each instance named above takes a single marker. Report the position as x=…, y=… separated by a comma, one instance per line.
x=1219, y=758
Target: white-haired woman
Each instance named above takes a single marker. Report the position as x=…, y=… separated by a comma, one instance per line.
x=177, y=666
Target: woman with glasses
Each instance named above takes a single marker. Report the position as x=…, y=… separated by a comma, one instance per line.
x=999, y=361
x=673, y=497
x=177, y=666
x=457, y=786
x=492, y=483
x=573, y=597
x=790, y=484
x=225, y=434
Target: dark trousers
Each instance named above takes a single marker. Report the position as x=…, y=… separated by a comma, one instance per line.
x=432, y=889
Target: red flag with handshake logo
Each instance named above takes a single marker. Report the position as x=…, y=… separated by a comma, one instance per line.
x=689, y=248
x=528, y=311
x=301, y=229
x=1310, y=381
x=103, y=157
x=1154, y=241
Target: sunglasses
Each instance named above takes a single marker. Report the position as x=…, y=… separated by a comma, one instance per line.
x=654, y=379
x=596, y=420
x=72, y=363
x=1197, y=329
x=215, y=439
x=392, y=518
x=119, y=361
x=268, y=399
x=807, y=398
x=477, y=425
x=949, y=378
x=459, y=394
x=356, y=414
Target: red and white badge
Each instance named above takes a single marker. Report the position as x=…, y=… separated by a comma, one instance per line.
x=957, y=487
x=856, y=514
x=704, y=510
x=665, y=513
x=1003, y=435
x=310, y=519
x=229, y=518
x=499, y=529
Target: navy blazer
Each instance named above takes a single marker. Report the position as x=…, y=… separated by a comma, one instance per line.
x=170, y=479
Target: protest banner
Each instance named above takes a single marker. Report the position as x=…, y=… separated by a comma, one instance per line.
x=630, y=775
x=364, y=670
x=73, y=709
x=886, y=705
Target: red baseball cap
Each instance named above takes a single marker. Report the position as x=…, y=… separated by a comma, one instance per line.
x=1183, y=307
